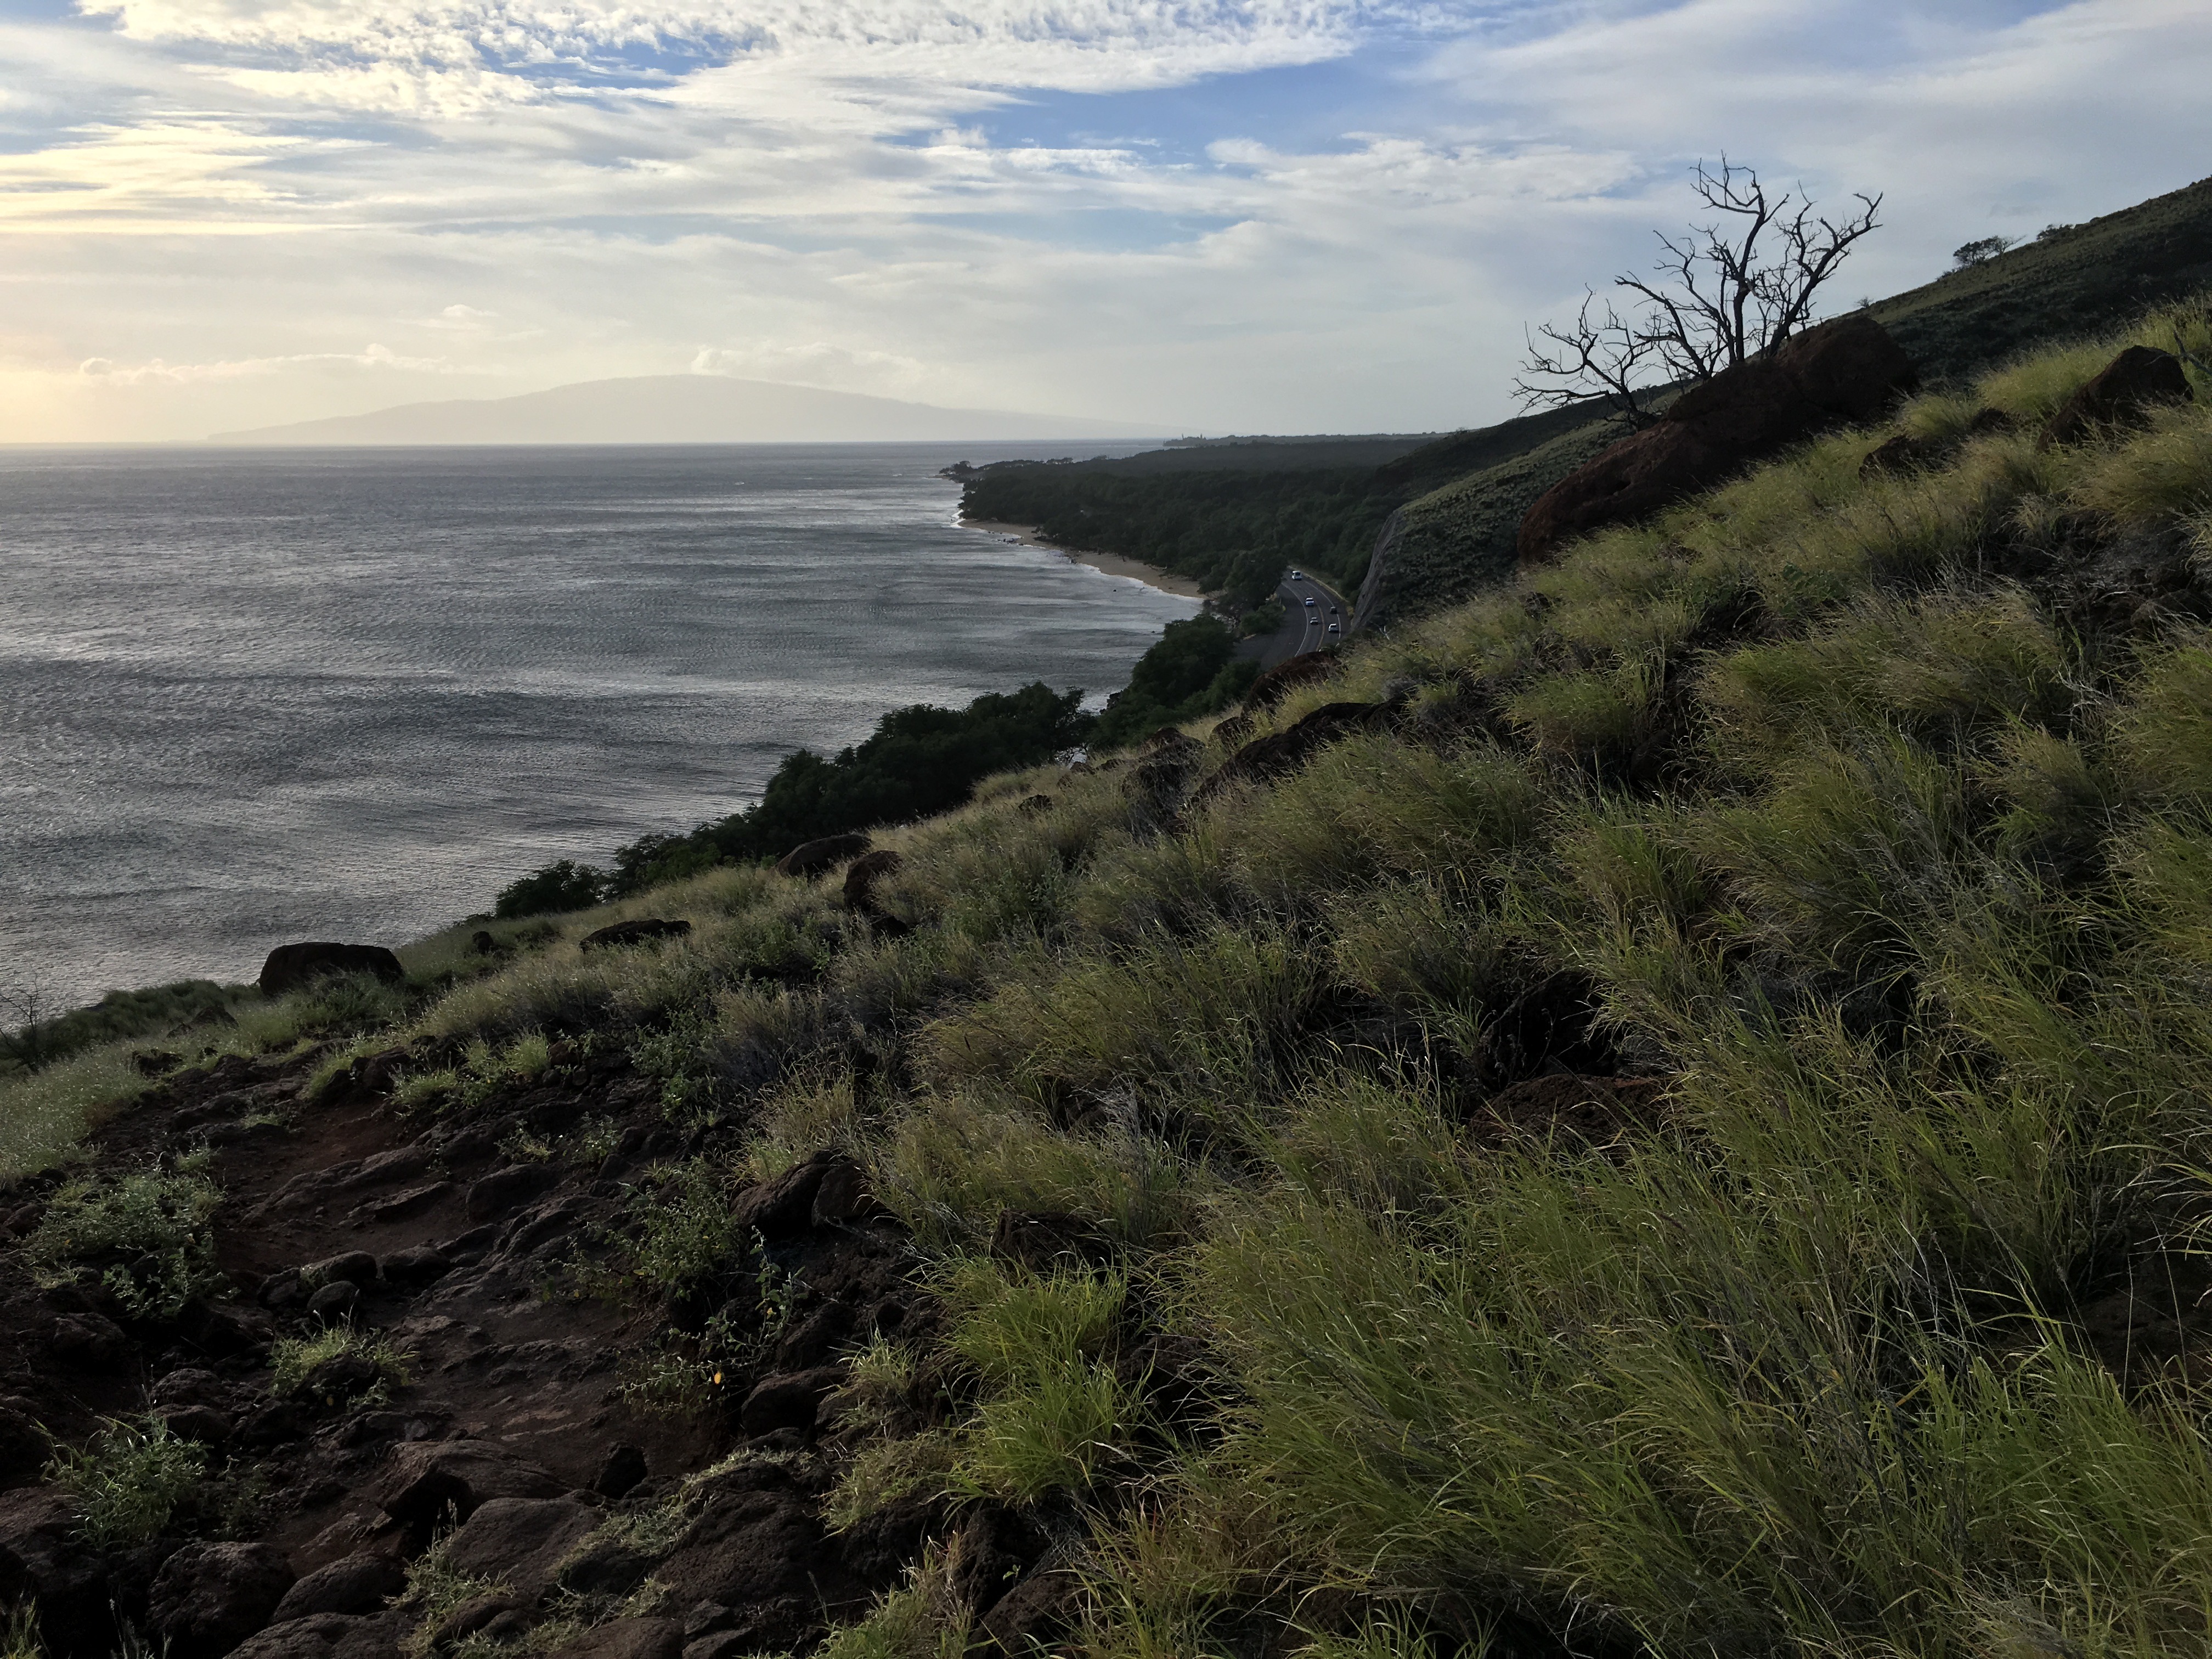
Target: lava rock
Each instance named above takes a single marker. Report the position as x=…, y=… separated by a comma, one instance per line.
x=788, y=1401
x=624, y=1468
x=88, y=1341
x=354, y=1267
x=288, y=966
x=518, y=1541
x=330, y=1636
x=866, y=872
x=211, y=1597
x=503, y=1190
x=1285, y=678
x=334, y=1302
x=425, y=1480
x=626, y=1638
x=1030, y=1615
x=201, y=1423
x=994, y=1547
x=1033, y=806
x=779, y=1208
x=2121, y=393
x=360, y=1584
x=644, y=930
x=813, y=858
x=416, y=1264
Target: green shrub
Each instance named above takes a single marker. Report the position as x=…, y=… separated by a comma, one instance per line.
x=128, y=1479
x=291, y=1360
x=147, y=1236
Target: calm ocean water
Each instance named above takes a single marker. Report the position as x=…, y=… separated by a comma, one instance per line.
x=251, y=697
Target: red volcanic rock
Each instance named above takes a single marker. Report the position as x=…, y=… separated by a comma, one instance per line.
x=2121, y=393
x=1847, y=370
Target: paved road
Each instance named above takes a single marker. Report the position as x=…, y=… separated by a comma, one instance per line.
x=1305, y=627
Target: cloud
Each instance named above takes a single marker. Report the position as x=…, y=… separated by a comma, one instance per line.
x=1315, y=214
x=818, y=363
x=155, y=371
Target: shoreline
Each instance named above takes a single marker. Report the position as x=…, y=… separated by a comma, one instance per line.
x=1113, y=564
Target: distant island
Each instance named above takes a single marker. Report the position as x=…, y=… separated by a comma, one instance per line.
x=677, y=408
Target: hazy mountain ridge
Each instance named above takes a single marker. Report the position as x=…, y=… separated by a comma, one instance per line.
x=676, y=409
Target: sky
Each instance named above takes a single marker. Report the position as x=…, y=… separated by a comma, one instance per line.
x=1215, y=216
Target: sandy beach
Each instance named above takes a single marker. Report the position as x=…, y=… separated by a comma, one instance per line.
x=1152, y=576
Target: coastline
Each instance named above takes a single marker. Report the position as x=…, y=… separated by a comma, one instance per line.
x=1111, y=563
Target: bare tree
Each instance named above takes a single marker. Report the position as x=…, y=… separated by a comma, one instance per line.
x=28, y=1007
x=1721, y=294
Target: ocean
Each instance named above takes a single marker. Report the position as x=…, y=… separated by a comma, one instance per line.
x=249, y=696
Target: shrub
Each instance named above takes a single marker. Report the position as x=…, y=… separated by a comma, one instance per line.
x=145, y=1235
x=293, y=1360
x=128, y=1479
x=565, y=885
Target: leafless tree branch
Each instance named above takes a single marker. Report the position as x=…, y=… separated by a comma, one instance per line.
x=1721, y=294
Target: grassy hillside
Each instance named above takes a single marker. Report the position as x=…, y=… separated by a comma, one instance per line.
x=1678, y=1126
x=1464, y=495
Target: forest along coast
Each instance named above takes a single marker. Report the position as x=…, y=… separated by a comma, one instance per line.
x=1655, y=1107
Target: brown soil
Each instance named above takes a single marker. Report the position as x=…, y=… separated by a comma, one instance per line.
x=518, y=1358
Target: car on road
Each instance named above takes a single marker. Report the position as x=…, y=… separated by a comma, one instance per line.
x=1311, y=602
x=1333, y=628
x=1297, y=575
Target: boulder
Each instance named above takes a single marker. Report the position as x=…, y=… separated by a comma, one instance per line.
x=624, y=1468
x=867, y=872
x=992, y=1549
x=779, y=1208
x=1849, y=370
x=426, y=1480
x=1030, y=1616
x=330, y=1636
x=202, y=1423
x=1032, y=807
x=416, y=1264
x=843, y=1195
x=643, y=931
x=360, y=1584
x=1285, y=678
x=505, y=1189
x=626, y=1638
x=1284, y=752
x=334, y=1302
x=518, y=1541
x=757, y=1547
x=788, y=1401
x=1903, y=453
x=483, y=943
x=209, y=1598
x=291, y=966
x=2121, y=393
x=813, y=857
x=41, y=1553
x=354, y=1267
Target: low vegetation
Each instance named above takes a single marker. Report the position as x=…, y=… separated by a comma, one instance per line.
x=1681, y=1130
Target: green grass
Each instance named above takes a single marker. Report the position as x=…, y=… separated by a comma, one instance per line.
x=1854, y=813
x=145, y=1236
x=128, y=1479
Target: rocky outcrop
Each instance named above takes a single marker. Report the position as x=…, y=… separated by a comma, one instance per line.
x=1279, y=682
x=211, y=1597
x=861, y=879
x=289, y=967
x=2123, y=393
x=1845, y=371
x=1286, y=750
x=644, y=930
x=813, y=858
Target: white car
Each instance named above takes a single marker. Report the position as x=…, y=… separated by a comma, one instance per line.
x=1297, y=575
x=1311, y=602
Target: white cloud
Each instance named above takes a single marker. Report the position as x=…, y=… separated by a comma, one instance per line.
x=155, y=371
x=895, y=197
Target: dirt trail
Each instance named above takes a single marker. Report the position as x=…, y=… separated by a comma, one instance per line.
x=513, y=1418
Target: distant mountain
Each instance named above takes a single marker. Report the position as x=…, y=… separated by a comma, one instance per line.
x=680, y=409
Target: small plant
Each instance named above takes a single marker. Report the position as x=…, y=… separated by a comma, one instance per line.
x=128, y=1479
x=146, y=1236
x=293, y=1361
